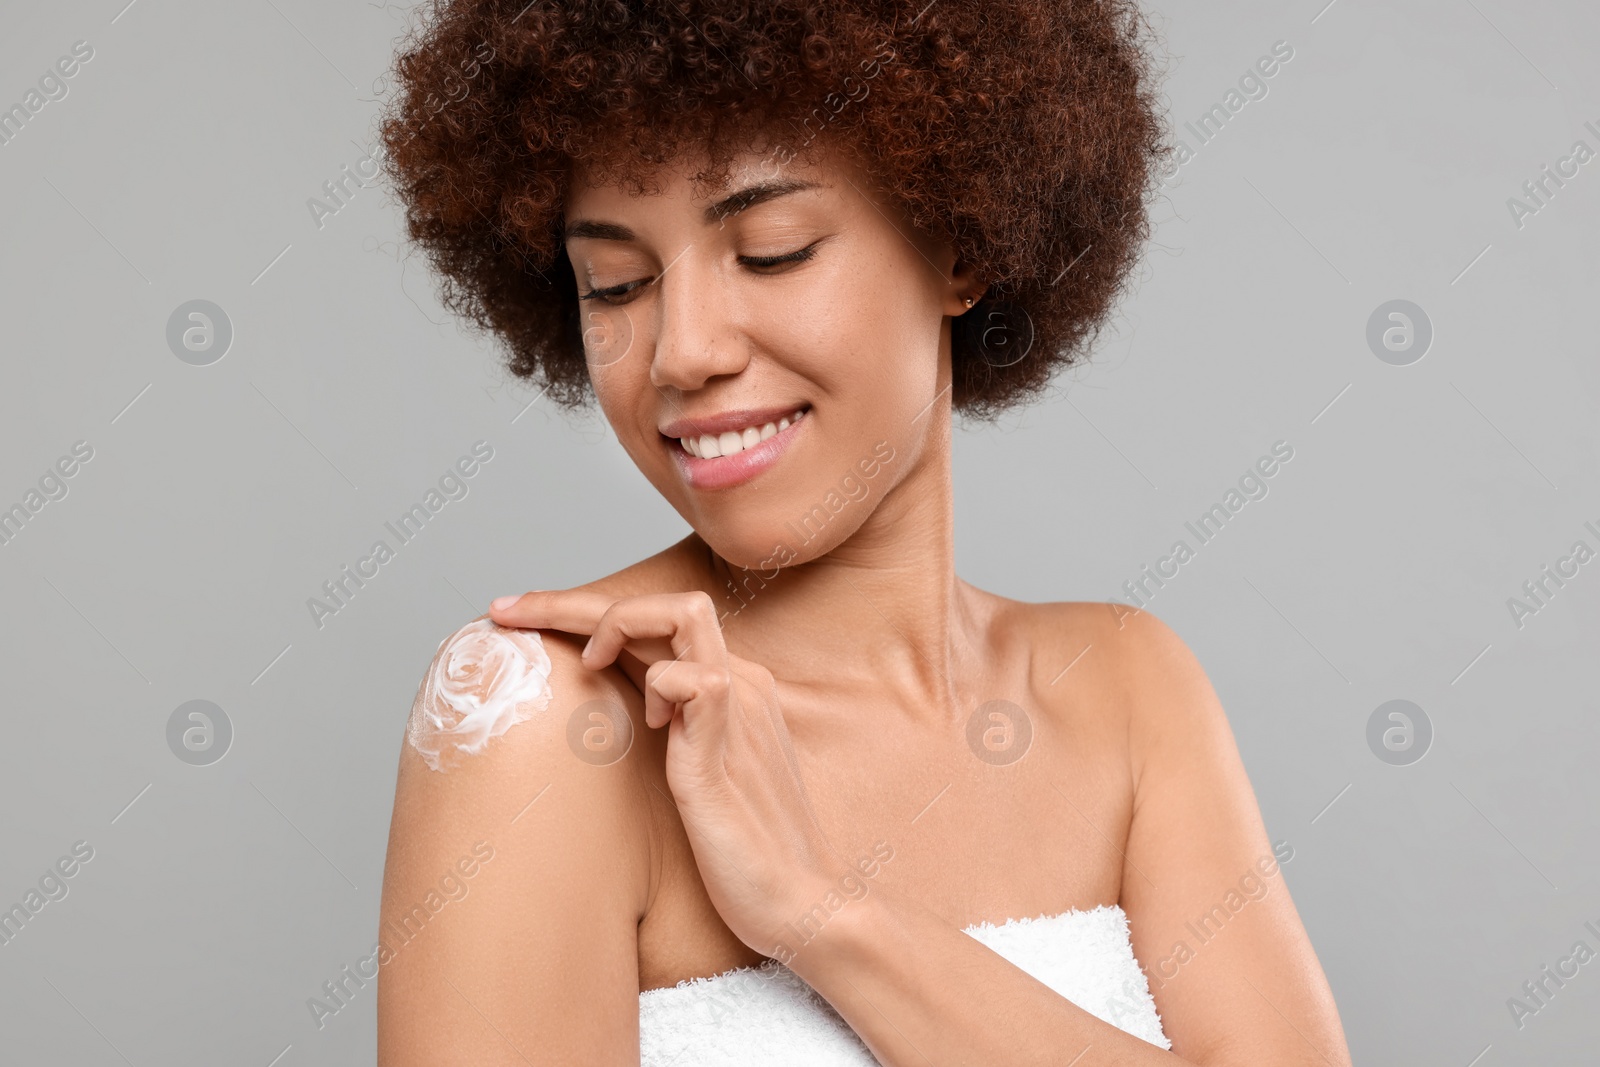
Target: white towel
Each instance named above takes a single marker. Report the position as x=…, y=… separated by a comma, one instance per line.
x=768, y=1014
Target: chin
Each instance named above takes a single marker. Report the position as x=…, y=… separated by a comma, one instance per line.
x=762, y=546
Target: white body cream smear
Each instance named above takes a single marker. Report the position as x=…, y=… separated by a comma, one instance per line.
x=485, y=678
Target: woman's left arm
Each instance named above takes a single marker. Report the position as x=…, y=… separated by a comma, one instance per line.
x=1198, y=865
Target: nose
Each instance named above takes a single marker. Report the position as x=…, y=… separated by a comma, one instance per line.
x=696, y=339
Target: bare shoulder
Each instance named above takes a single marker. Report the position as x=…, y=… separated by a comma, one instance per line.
x=1132, y=655
x=1197, y=846
x=1123, y=635
x=514, y=751
x=1169, y=701
x=1122, y=652
x=1145, y=679
x=493, y=710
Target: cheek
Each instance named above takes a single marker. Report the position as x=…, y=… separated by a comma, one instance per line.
x=901, y=289
x=891, y=331
x=861, y=326
x=610, y=338
x=617, y=355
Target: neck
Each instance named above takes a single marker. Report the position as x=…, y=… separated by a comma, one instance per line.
x=882, y=611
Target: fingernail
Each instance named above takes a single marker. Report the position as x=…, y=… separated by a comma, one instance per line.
x=585, y=653
x=500, y=603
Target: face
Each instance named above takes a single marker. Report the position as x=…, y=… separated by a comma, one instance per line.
x=714, y=317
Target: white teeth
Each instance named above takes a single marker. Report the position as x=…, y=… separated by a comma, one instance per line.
x=733, y=442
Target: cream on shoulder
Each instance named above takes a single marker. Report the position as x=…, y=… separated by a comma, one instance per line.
x=484, y=679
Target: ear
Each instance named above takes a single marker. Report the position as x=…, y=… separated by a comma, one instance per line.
x=964, y=284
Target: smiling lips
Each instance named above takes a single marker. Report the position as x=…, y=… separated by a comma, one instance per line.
x=732, y=442
x=750, y=444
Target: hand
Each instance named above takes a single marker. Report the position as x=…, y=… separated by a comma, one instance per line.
x=730, y=763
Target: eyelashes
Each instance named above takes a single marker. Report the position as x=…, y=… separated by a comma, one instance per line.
x=797, y=256
x=610, y=294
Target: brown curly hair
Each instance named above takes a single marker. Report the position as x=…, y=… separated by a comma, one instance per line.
x=1025, y=134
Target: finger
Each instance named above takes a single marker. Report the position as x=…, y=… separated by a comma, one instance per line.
x=658, y=710
x=671, y=684
x=678, y=626
x=573, y=611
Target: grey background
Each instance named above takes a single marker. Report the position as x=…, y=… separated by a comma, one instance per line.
x=220, y=498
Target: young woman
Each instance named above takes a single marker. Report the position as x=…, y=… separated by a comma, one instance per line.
x=791, y=791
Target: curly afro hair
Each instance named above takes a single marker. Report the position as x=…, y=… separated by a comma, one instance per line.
x=1026, y=134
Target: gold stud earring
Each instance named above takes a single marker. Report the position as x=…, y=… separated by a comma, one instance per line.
x=969, y=301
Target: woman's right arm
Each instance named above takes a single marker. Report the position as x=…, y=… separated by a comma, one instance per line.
x=531, y=958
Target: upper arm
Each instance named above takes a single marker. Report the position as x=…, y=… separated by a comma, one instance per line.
x=1230, y=966
x=532, y=957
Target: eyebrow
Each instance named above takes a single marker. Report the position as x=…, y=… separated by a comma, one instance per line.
x=725, y=208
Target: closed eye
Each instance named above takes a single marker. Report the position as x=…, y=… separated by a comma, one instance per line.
x=797, y=256
x=610, y=294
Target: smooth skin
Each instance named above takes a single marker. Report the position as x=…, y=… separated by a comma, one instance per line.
x=782, y=727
